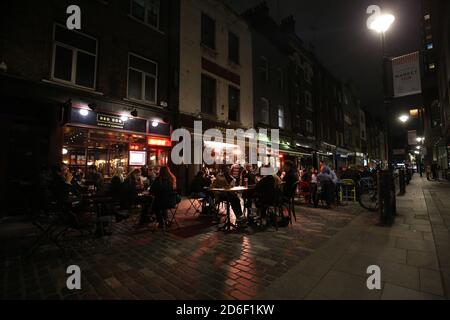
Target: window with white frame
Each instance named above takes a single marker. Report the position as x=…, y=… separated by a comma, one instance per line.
x=309, y=127
x=281, y=119
x=308, y=100
x=146, y=11
x=142, y=79
x=74, y=57
x=264, y=111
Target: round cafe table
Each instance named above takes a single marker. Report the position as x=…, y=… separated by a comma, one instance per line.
x=228, y=225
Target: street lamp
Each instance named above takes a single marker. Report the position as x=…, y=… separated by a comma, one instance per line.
x=403, y=118
x=380, y=23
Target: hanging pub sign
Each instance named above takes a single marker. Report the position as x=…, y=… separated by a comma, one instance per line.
x=105, y=120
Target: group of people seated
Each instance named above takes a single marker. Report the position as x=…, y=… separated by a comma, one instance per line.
x=325, y=184
x=262, y=190
x=72, y=192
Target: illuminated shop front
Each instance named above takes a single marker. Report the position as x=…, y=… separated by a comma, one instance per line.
x=111, y=141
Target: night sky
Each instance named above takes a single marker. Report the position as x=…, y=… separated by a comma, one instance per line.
x=342, y=41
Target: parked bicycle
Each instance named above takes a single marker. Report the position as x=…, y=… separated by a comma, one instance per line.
x=368, y=194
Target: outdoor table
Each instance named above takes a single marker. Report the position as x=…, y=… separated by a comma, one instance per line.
x=228, y=225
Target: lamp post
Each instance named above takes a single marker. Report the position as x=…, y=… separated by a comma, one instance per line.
x=380, y=23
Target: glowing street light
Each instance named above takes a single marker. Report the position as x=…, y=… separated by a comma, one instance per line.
x=403, y=118
x=381, y=23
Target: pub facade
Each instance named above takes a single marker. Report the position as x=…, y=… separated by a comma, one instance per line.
x=103, y=95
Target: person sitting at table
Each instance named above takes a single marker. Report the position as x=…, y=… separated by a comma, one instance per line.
x=67, y=199
x=267, y=191
x=290, y=178
x=248, y=178
x=130, y=189
x=94, y=178
x=222, y=182
x=120, y=174
x=164, y=191
x=326, y=183
x=198, y=185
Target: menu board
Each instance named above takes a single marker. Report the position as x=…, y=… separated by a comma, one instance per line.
x=138, y=158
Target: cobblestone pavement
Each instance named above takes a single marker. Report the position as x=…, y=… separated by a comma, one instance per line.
x=194, y=261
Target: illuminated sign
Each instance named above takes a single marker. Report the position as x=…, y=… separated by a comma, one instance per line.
x=160, y=142
x=108, y=121
x=138, y=158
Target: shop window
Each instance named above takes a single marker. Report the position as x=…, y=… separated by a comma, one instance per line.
x=142, y=79
x=108, y=150
x=208, y=95
x=147, y=11
x=234, y=97
x=208, y=36
x=74, y=57
x=233, y=47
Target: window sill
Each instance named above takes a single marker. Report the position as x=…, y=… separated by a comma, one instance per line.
x=235, y=65
x=71, y=86
x=209, y=116
x=210, y=51
x=147, y=25
x=144, y=103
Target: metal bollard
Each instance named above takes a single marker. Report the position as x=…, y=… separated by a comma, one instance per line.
x=387, y=200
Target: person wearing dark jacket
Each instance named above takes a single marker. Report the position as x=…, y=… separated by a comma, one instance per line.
x=198, y=186
x=164, y=191
x=290, y=179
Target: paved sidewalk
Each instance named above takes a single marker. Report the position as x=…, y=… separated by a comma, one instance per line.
x=414, y=254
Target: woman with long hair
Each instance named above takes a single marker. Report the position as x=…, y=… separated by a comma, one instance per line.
x=163, y=190
x=167, y=176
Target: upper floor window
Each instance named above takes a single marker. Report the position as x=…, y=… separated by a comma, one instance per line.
x=146, y=11
x=142, y=79
x=208, y=95
x=281, y=119
x=74, y=57
x=234, y=97
x=297, y=93
x=308, y=73
x=427, y=17
x=264, y=111
x=208, y=31
x=280, y=79
x=264, y=67
x=233, y=47
x=309, y=127
x=308, y=100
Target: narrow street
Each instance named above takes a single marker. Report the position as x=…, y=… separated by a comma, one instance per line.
x=324, y=255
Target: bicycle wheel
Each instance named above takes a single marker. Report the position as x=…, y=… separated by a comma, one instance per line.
x=369, y=200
